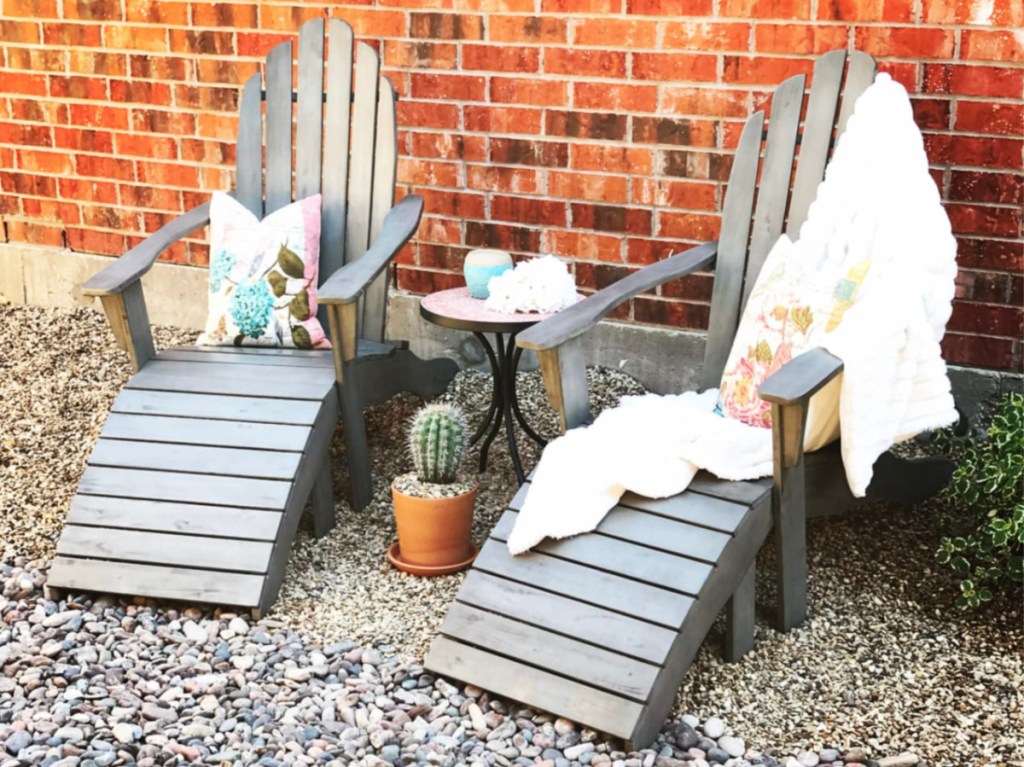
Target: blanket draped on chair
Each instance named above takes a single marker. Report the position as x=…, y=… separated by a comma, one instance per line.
x=878, y=203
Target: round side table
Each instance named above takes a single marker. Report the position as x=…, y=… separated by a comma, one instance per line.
x=458, y=310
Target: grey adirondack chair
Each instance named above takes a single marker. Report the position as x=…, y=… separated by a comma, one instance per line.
x=601, y=627
x=195, y=488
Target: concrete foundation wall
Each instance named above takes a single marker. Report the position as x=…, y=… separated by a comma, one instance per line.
x=663, y=360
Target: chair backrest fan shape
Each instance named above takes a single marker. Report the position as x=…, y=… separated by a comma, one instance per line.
x=345, y=147
x=760, y=203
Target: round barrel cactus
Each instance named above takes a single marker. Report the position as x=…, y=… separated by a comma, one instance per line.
x=437, y=440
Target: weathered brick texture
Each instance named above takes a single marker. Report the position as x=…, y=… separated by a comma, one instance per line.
x=599, y=130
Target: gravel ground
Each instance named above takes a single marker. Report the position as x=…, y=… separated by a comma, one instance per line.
x=884, y=663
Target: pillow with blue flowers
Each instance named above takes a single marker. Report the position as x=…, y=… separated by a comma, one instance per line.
x=263, y=276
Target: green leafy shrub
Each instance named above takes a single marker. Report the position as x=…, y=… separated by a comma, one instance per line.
x=987, y=495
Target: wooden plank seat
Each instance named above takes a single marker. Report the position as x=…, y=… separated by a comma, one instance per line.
x=209, y=455
x=601, y=627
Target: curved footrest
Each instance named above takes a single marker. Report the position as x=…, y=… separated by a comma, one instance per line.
x=600, y=628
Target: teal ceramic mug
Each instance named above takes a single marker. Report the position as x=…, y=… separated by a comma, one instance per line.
x=482, y=264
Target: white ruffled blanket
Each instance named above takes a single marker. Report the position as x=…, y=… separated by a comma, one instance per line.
x=877, y=202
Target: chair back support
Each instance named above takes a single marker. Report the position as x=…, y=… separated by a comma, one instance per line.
x=760, y=203
x=336, y=137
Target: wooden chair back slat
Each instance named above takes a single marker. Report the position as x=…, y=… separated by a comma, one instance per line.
x=860, y=75
x=335, y=162
x=776, y=173
x=278, y=118
x=309, y=110
x=732, y=251
x=249, y=152
x=364, y=132
x=385, y=168
x=816, y=139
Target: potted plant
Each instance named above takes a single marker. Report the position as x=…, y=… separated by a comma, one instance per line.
x=433, y=506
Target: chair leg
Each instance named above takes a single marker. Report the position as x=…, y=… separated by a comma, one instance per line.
x=323, y=500
x=355, y=445
x=739, y=618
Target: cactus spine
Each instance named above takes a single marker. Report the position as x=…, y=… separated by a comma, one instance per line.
x=437, y=439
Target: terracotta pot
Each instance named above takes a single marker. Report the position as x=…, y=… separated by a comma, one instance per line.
x=433, y=533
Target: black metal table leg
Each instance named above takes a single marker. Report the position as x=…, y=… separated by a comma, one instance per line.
x=515, y=404
x=498, y=373
x=508, y=397
x=504, y=405
x=492, y=408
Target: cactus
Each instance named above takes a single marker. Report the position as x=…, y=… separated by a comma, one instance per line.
x=437, y=439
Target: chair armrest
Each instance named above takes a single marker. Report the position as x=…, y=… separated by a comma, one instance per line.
x=350, y=281
x=797, y=381
x=136, y=262
x=571, y=322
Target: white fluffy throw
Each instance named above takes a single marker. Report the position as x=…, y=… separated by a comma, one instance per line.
x=879, y=205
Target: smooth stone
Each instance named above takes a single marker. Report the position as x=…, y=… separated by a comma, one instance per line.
x=195, y=633
x=197, y=730
x=158, y=713
x=239, y=626
x=732, y=746
x=717, y=755
x=72, y=734
x=829, y=755
x=683, y=735
x=125, y=732
x=243, y=662
x=16, y=741
x=296, y=674
x=808, y=759
x=855, y=755
x=59, y=619
x=503, y=731
x=568, y=740
x=714, y=728
x=690, y=719
x=575, y=752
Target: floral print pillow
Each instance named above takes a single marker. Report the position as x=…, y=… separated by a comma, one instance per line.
x=782, y=318
x=263, y=276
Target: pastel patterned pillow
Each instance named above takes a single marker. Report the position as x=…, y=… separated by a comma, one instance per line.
x=787, y=312
x=263, y=276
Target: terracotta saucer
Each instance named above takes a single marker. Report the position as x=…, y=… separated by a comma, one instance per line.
x=395, y=558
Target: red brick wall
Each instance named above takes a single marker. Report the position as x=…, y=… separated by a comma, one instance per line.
x=598, y=129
